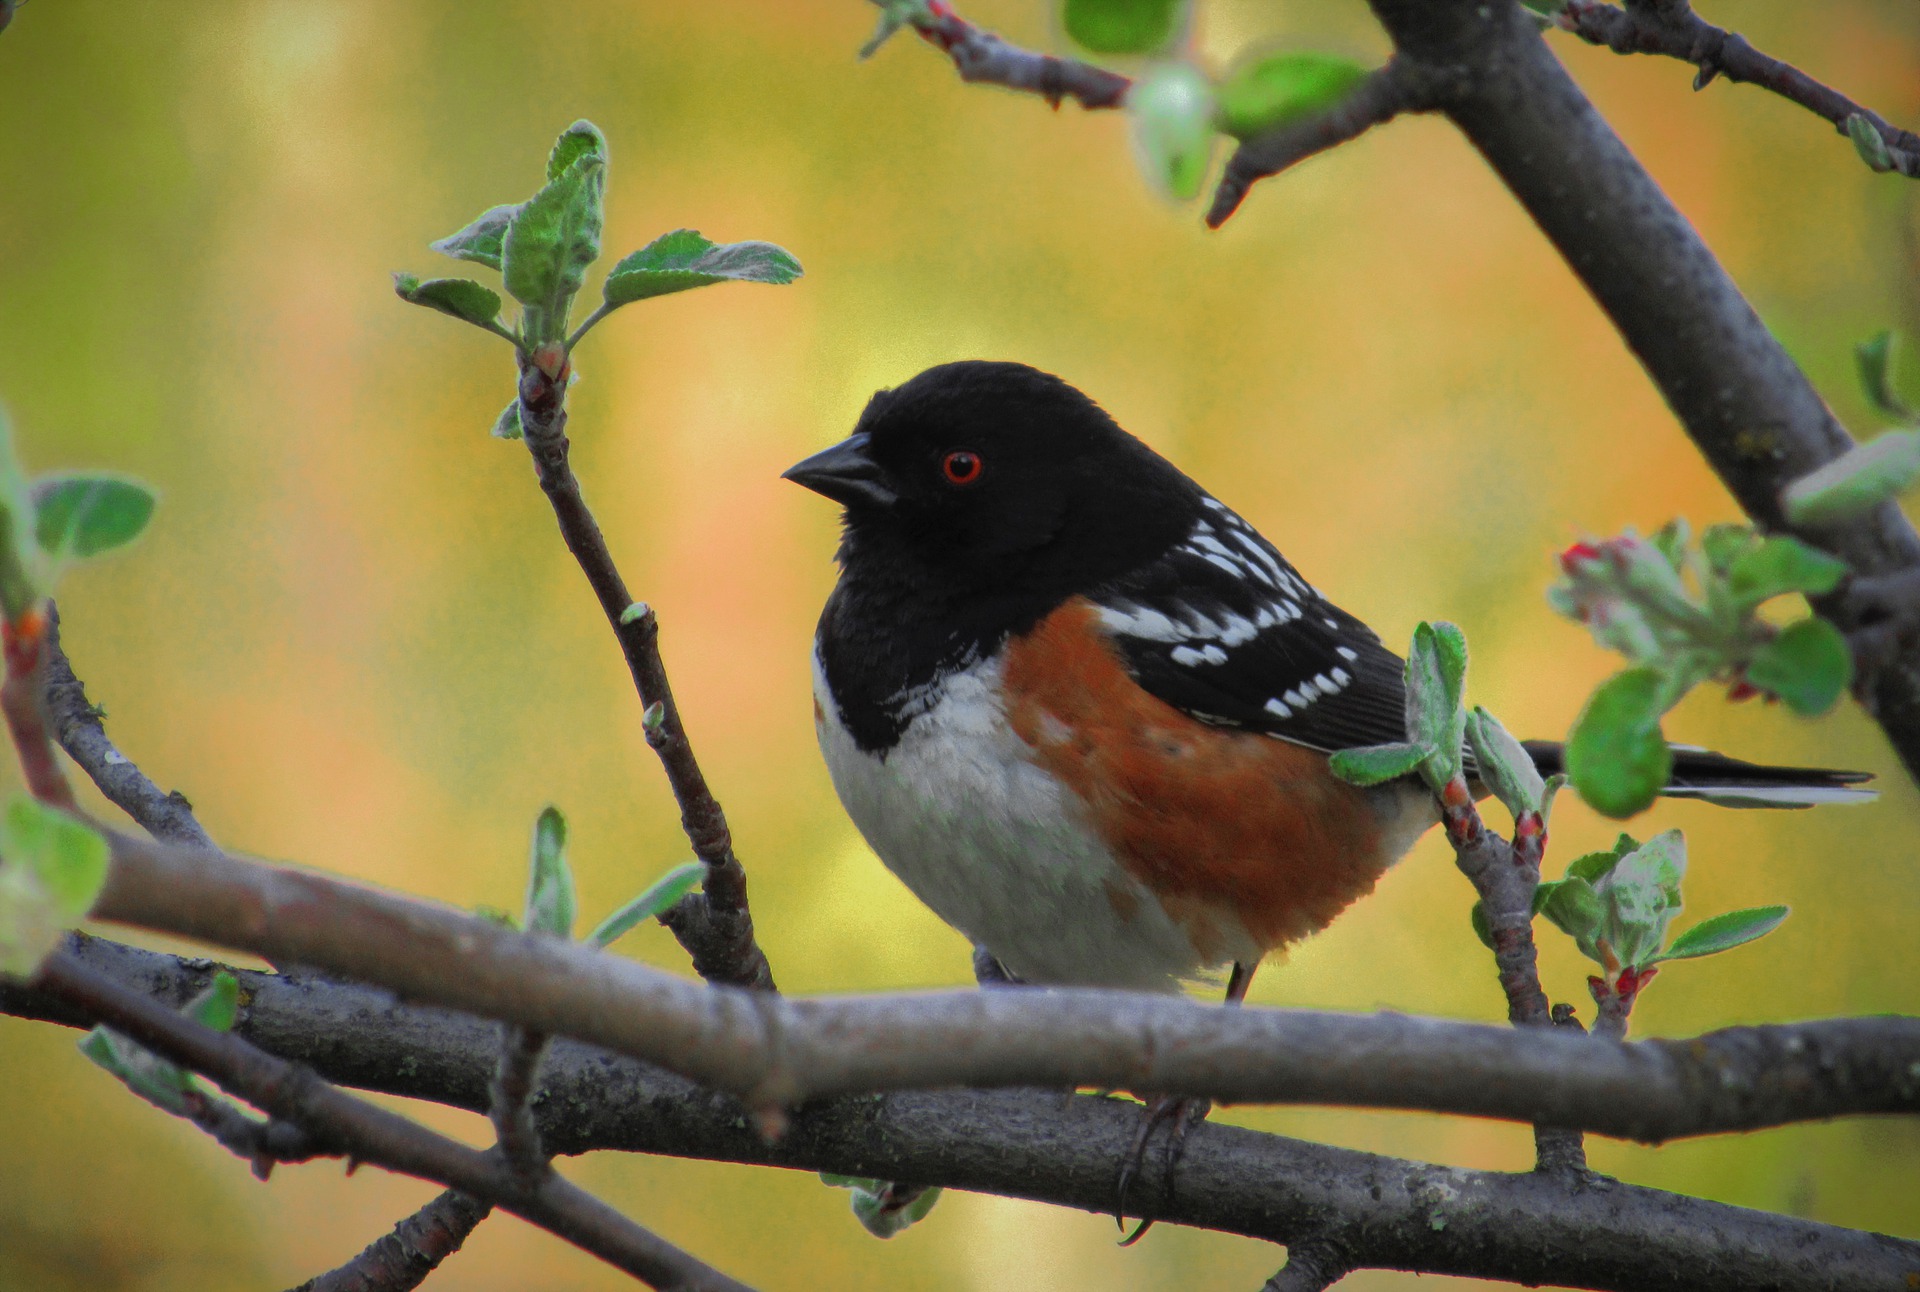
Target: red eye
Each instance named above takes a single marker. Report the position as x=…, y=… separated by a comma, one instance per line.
x=961, y=467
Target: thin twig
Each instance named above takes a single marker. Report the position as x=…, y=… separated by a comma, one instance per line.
x=1672, y=28
x=24, y=706
x=367, y=1133
x=77, y=726
x=715, y=925
x=982, y=57
x=1505, y=876
x=511, y=1108
x=1388, y=1212
x=401, y=1260
x=777, y=1053
x=1398, y=86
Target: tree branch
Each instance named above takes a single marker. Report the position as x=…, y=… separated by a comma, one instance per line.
x=1672, y=28
x=1746, y=405
x=401, y=1260
x=715, y=926
x=1381, y=1212
x=982, y=57
x=1399, y=86
x=364, y=1132
x=77, y=726
x=776, y=1053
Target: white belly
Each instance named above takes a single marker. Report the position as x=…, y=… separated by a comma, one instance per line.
x=991, y=842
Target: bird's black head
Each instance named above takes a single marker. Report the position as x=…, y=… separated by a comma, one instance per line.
x=997, y=473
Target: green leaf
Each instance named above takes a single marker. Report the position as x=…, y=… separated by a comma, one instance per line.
x=85, y=515
x=878, y=1204
x=575, y=142
x=1641, y=895
x=507, y=425
x=24, y=577
x=550, y=900
x=1171, y=108
x=480, y=241
x=153, y=1078
x=1121, y=26
x=68, y=858
x=1573, y=907
x=1594, y=866
x=1548, y=792
x=1505, y=766
x=677, y=261
x=1436, y=678
x=1272, y=90
x=1670, y=540
x=894, y=14
x=1808, y=665
x=1617, y=757
x=1482, y=928
x=1724, y=932
x=1855, y=482
x=663, y=893
x=1375, y=764
x=550, y=243
x=1869, y=143
x=1875, y=359
x=219, y=1005
x=1723, y=544
x=462, y=298
x=1779, y=565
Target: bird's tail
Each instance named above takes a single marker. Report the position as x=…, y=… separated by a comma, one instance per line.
x=1715, y=778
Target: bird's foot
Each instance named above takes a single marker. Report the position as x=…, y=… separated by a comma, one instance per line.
x=1180, y=1115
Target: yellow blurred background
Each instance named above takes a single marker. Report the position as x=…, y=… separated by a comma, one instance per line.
x=353, y=639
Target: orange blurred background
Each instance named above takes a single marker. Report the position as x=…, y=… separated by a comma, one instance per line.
x=353, y=639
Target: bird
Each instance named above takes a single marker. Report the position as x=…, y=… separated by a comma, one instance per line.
x=1084, y=710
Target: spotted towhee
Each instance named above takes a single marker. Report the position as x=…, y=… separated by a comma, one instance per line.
x=1084, y=710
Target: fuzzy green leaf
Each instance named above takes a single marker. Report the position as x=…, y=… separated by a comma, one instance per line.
x=1857, y=481
x=1724, y=544
x=1376, y=764
x=1436, y=678
x=1617, y=757
x=219, y=1005
x=664, y=893
x=1595, y=865
x=1724, y=932
x=677, y=261
x=480, y=241
x=1779, y=565
x=461, y=298
x=85, y=515
x=67, y=858
x=1808, y=665
x=1274, y=89
x=1171, y=108
x=1874, y=356
x=575, y=142
x=550, y=900
x=550, y=243
x=1869, y=143
x=1505, y=766
x=507, y=425
x=1576, y=910
x=1121, y=26
x=153, y=1078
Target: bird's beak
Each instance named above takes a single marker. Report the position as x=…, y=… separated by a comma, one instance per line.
x=846, y=474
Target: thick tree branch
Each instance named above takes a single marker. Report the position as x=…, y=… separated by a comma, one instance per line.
x=776, y=1053
x=715, y=925
x=77, y=726
x=1399, y=86
x=1030, y=1143
x=367, y=1133
x=1746, y=405
x=1672, y=28
x=980, y=56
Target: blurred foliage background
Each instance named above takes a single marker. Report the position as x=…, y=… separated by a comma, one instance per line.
x=352, y=638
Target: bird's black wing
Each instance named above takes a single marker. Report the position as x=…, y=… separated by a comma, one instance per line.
x=1223, y=629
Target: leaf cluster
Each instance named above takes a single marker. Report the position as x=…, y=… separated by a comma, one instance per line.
x=48, y=522
x=1684, y=613
x=883, y=1207
x=542, y=248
